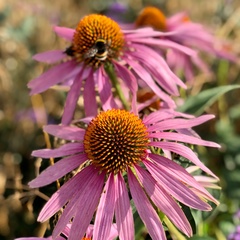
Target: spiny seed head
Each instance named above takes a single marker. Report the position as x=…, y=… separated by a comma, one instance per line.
x=115, y=140
x=97, y=39
x=152, y=17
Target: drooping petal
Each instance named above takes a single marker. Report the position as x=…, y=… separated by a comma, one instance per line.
x=157, y=70
x=64, y=32
x=73, y=96
x=51, y=77
x=67, y=230
x=123, y=212
x=181, y=174
x=183, y=138
x=164, y=114
x=105, y=91
x=66, y=149
x=65, y=193
x=183, y=151
x=144, y=74
x=165, y=43
x=127, y=77
x=113, y=233
x=65, y=132
x=130, y=81
x=33, y=238
x=164, y=201
x=105, y=211
x=162, y=69
x=145, y=209
x=58, y=170
x=89, y=231
x=175, y=19
x=180, y=123
x=132, y=34
x=87, y=203
x=82, y=199
x=50, y=56
x=176, y=188
x=89, y=99
x=157, y=117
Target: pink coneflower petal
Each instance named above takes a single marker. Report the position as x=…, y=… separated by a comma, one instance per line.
x=81, y=199
x=183, y=138
x=156, y=117
x=105, y=91
x=62, y=196
x=181, y=174
x=85, y=202
x=164, y=201
x=65, y=132
x=130, y=81
x=50, y=56
x=67, y=229
x=37, y=238
x=167, y=44
x=144, y=74
x=166, y=114
x=176, y=19
x=66, y=33
x=123, y=213
x=105, y=211
x=132, y=34
x=127, y=77
x=177, y=189
x=114, y=233
x=66, y=149
x=179, y=123
x=205, y=180
x=51, y=77
x=157, y=66
x=73, y=96
x=58, y=170
x=145, y=209
x=90, y=104
x=183, y=151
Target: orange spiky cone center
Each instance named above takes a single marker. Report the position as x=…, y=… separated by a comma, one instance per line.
x=116, y=140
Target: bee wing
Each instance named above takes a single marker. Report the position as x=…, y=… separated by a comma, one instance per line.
x=90, y=53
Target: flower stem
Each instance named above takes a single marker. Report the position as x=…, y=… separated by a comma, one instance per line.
x=173, y=230
x=112, y=75
x=48, y=144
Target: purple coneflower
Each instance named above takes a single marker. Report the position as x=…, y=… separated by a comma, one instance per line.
x=118, y=149
x=181, y=30
x=100, y=51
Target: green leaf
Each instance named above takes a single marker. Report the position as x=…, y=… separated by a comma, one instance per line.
x=197, y=104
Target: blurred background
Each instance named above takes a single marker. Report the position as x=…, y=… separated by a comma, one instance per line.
x=26, y=29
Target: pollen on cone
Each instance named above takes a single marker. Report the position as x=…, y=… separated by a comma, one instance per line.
x=90, y=30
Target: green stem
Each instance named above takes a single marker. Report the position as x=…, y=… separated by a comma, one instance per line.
x=111, y=73
x=173, y=230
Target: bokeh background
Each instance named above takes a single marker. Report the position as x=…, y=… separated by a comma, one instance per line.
x=26, y=29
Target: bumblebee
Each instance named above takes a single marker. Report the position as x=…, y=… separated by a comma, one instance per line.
x=100, y=50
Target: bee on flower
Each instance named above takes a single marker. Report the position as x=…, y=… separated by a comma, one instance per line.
x=100, y=56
